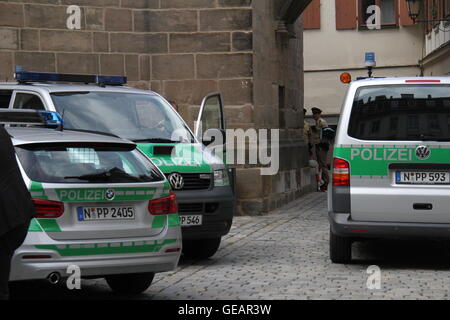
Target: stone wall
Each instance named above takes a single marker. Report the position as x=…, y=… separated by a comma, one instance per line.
x=278, y=104
x=183, y=49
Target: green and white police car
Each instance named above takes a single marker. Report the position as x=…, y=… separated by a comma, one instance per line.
x=391, y=168
x=102, y=206
x=200, y=180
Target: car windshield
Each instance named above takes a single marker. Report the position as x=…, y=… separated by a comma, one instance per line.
x=77, y=163
x=401, y=113
x=136, y=117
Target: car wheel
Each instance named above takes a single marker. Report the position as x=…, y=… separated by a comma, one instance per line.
x=130, y=283
x=340, y=249
x=200, y=248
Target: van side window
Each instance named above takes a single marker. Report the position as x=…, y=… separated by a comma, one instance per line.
x=28, y=101
x=5, y=98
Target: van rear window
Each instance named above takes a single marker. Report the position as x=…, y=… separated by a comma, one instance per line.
x=401, y=113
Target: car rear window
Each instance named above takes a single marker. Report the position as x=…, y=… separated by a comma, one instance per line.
x=401, y=113
x=56, y=163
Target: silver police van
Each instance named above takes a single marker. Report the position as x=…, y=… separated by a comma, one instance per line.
x=103, y=208
x=391, y=163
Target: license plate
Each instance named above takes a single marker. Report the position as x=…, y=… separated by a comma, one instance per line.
x=188, y=221
x=105, y=213
x=417, y=177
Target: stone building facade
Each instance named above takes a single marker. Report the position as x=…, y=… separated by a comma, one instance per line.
x=251, y=51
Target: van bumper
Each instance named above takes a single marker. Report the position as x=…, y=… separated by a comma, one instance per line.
x=342, y=225
x=217, y=206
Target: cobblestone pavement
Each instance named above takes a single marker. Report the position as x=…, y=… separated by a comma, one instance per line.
x=285, y=256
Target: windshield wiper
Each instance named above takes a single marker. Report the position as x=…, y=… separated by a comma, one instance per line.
x=156, y=140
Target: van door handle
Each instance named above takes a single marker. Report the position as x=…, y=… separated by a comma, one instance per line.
x=423, y=206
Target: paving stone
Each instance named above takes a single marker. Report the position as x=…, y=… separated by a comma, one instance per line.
x=285, y=256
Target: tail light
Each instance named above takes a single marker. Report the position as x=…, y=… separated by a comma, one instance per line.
x=48, y=209
x=341, y=173
x=167, y=205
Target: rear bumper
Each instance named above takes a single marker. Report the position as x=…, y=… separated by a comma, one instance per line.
x=342, y=225
x=39, y=256
x=100, y=267
x=215, y=224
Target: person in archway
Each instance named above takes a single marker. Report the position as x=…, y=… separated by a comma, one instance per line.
x=322, y=147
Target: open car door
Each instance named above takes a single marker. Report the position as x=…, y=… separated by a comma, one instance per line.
x=210, y=123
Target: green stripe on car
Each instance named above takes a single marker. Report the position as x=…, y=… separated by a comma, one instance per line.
x=35, y=226
x=374, y=160
x=49, y=225
x=104, y=249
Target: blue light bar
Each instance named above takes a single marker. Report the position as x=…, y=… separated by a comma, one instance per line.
x=30, y=117
x=51, y=119
x=25, y=77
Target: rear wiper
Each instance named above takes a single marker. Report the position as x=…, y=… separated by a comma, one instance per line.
x=429, y=137
x=105, y=176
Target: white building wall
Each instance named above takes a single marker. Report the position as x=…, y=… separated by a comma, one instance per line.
x=329, y=52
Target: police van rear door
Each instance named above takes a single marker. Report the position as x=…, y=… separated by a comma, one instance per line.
x=398, y=147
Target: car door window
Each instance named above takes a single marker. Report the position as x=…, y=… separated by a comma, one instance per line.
x=211, y=116
x=28, y=101
x=5, y=98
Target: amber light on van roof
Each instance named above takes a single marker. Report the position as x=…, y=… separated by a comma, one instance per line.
x=346, y=77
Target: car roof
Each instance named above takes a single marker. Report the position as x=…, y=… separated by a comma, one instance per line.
x=401, y=80
x=60, y=87
x=22, y=136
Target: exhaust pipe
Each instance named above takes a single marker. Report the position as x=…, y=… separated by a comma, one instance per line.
x=54, y=278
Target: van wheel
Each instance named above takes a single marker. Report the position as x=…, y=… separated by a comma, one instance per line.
x=130, y=283
x=340, y=249
x=201, y=248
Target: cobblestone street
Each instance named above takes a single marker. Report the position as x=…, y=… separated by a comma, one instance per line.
x=285, y=256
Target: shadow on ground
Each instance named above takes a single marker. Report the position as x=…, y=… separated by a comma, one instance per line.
x=403, y=254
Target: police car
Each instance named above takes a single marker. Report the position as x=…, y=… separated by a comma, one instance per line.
x=200, y=180
x=391, y=167
x=102, y=206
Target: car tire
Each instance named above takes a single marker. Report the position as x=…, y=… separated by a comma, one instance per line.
x=130, y=283
x=200, y=248
x=340, y=249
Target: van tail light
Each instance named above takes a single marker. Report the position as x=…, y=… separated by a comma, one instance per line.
x=341, y=173
x=46, y=209
x=167, y=205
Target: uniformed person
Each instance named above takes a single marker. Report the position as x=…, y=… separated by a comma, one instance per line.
x=321, y=146
x=16, y=209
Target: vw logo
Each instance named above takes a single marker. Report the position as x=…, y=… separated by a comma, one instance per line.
x=110, y=195
x=423, y=153
x=176, y=181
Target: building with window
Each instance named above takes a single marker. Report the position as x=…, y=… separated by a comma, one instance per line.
x=338, y=33
x=436, y=60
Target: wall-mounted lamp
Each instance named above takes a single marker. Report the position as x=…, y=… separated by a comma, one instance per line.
x=414, y=10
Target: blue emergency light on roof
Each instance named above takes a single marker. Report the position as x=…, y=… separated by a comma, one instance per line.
x=370, y=59
x=31, y=117
x=26, y=77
